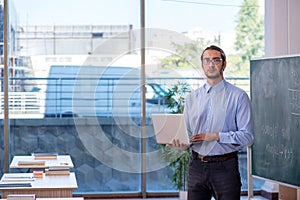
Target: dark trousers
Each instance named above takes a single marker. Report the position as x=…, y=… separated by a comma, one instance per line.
x=220, y=180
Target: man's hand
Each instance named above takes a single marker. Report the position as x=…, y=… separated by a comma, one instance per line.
x=205, y=137
x=177, y=144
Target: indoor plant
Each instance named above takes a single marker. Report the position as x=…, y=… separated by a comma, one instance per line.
x=177, y=159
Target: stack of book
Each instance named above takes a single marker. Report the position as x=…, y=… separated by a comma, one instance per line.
x=20, y=197
x=57, y=170
x=45, y=155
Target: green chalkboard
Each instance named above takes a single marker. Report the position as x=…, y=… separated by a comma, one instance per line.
x=275, y=97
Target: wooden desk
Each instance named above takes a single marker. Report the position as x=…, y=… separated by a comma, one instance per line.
x=75, y=198
x=62, y=160
x=46, y=187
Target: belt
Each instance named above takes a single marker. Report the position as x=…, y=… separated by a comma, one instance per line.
x=216, y=158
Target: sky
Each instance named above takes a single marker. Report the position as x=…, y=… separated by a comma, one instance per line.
x=210, y=17
x=176, y=15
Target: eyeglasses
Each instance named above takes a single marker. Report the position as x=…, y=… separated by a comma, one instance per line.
x=207, y=61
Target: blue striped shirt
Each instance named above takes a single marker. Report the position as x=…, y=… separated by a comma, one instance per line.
x=223, y=108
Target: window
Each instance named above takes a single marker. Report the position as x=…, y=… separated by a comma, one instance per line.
x=80, y=89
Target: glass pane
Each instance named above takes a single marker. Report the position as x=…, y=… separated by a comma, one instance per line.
x=8, y=76
x=178, y=31
x=165, y=50
x=81, y=89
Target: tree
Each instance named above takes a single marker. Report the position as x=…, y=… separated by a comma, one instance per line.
x=249, y=34
x=187, y=55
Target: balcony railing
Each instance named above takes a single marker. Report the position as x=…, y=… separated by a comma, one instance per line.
x=39, y=95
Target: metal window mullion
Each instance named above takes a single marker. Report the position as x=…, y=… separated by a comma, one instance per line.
x=6, y=103
x=143, y=99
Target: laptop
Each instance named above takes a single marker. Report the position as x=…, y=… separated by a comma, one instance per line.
x=168, y=127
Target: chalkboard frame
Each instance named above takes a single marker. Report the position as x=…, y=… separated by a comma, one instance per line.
x=274, y=90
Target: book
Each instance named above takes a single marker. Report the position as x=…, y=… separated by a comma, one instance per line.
x=14, y=184
x=49, y=172
x=45, y=155
x=12, y=178
x=57, y=170
x=24, y=163
x=20, y=197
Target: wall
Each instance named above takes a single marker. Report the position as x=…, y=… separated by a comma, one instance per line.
x=282, y=27
x=94, y=175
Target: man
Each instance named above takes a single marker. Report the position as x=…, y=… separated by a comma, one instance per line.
x=219, y=120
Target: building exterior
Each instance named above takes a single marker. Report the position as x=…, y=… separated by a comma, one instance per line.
x=16, y=66
x=70, y=39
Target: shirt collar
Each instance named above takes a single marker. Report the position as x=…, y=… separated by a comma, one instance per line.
x=216, y=88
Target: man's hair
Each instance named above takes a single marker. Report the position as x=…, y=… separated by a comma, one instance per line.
x=213, y=47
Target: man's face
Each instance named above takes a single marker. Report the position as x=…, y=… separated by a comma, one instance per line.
x=212, y=64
